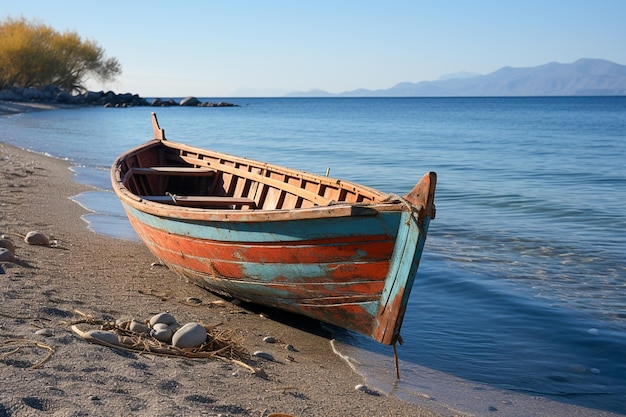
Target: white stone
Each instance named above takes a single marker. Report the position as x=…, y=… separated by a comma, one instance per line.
x=191, y=335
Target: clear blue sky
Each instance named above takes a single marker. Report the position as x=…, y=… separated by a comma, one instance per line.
x=215, y=48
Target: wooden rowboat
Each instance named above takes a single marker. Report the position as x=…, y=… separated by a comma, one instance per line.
x=329, y=249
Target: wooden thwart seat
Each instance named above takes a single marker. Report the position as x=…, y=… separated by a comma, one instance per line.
x=179, y=171
x=200, y=201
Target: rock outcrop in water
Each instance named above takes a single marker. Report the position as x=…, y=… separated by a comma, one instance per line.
x=54, y=95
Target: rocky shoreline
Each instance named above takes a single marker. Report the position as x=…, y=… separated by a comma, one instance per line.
x=55, y=96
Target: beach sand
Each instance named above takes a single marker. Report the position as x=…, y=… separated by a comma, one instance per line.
x=108, y=279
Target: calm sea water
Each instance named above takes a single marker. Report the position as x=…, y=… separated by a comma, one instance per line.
x=522, y=287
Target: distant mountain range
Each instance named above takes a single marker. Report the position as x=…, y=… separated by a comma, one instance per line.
x=585, y=77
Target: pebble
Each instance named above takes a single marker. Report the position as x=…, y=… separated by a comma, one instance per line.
x=166, y=318
x=44, y=332
x=365, y=389
x=36, y=238
x=104, y=336
x=160, y=326
x=6, y=255
x=138, y=327
x=290, y=348
x=263, y=355
x=8, y=244
x=269, y=339
x=191, y=335
x=161, y=332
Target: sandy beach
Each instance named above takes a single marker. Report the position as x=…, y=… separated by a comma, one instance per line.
x=46, y=368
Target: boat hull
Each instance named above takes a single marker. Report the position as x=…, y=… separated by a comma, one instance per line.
x=355, y=272
x=333, y=250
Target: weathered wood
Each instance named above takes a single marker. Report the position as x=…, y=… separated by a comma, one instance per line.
x=159, y=133
x=181, y=171
x=275, y=184
x=199, y=201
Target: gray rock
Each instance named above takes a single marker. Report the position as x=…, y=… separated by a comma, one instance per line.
x=263, y=355
x=104, y=336
x=7, y=244
x=366, y=389
x=191, y=335
x=361, y=387
x=189, y=101
x=269, y=339
x=161, y=332
x=138, y=327
x=44, y=332
x=165, y=318
x=6, y=255
x=36, y=238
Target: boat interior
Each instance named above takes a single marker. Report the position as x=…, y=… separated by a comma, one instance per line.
x=173, y=173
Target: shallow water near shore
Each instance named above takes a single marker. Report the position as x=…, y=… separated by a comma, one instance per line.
x=521, y=286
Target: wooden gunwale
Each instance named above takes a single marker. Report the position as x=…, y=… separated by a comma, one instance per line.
x=199, y=201
x=206, y=160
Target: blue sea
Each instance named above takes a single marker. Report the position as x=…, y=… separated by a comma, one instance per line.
x=520, y=298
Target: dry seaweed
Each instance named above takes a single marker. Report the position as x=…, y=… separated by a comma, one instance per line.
x=221, y=344
x=26, y=342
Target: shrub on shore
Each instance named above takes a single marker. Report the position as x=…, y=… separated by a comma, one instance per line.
x=35, y=55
